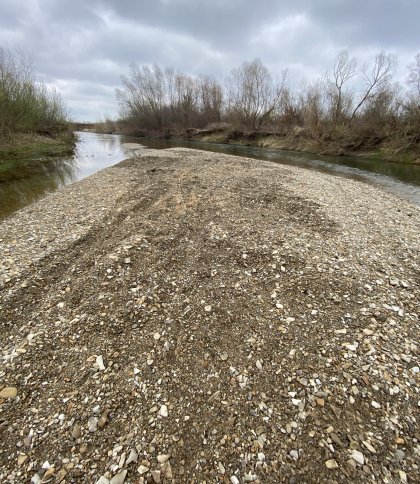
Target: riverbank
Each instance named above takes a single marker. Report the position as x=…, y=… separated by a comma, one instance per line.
x=365, y=148
x=190, y=315
x=23, y=148
x=369, y=148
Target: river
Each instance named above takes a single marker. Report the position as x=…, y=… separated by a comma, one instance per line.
x=25, y=182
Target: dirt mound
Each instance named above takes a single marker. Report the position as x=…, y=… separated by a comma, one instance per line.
x=218, y=320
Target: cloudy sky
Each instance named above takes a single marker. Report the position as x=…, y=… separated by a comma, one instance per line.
x=84, y=46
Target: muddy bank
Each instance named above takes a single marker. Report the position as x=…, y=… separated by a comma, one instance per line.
x=368, y=147
x=187, y=315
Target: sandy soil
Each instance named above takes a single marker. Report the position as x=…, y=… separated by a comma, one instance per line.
x=194, y=317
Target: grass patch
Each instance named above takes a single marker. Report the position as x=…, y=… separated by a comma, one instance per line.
x=24, y=148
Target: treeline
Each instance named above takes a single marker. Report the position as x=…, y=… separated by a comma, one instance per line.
x=350, y=99
x=27, y=105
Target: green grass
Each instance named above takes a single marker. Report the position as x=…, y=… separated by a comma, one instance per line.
x=25, y=149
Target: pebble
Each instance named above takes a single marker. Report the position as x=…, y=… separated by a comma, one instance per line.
x=77, y=431
x=207, y=309
x=248, y=477
x=215, y=395
x=403, y=476
x=156, y=476
x=162, y=458
x=142, y=469
x=399, y=455
x=234, y=480
x=167, y=470
x=369, y=447
x=8, y=392
x=352, y=347
x=102, y=480
x=132, y=456
x=331, y=464
x=119, y=478
x=22, y=458
x=103, y=419
x=294, y=454
x=358, y=457
x=93, y=424
x=163, y=412
x=100, y=362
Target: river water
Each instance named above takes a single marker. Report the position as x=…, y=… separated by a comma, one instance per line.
x=23, y=183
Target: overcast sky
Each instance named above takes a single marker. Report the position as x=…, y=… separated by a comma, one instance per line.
x=84, y=46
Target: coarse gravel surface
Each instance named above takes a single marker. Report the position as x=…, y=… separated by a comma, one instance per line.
x=186, y=316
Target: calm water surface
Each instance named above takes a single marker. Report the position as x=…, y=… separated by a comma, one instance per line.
x=23, y=183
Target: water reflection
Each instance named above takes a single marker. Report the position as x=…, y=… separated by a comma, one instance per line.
x=25, y=181
x=97, y=151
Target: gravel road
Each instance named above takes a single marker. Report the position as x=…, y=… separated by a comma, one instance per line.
x=186, y=316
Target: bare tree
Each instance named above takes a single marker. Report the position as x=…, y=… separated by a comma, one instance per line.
x=253, y=94
x=187, y=94
x=414, y=76
x=343, y=69
x=145, y=93
x=376, y=79
x=310, y=106
x=211, y=96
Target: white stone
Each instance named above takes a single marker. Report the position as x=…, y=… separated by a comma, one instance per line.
x=132, y=456
x=142, y=470
x=119, y=478
x=162, y=458
x=357, y=456
x=102, y=480
x=294, y=454
x=93, y=424
x=100, y=362
x=352, y=347
x=250, y=477
x=163, y=411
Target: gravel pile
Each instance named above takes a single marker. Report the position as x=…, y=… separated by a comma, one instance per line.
x=194, y=317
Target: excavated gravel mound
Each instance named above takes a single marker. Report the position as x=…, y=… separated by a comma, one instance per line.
x=194, y=317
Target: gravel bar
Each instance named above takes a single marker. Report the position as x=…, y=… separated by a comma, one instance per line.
x=187, y=316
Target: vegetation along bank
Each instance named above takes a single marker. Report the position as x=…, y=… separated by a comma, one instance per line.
x=34, y=122
x=353, y=108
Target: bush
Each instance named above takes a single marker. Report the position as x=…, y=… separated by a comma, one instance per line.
x=27, y=106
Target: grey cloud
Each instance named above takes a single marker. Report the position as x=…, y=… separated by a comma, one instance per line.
x=85, y=46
